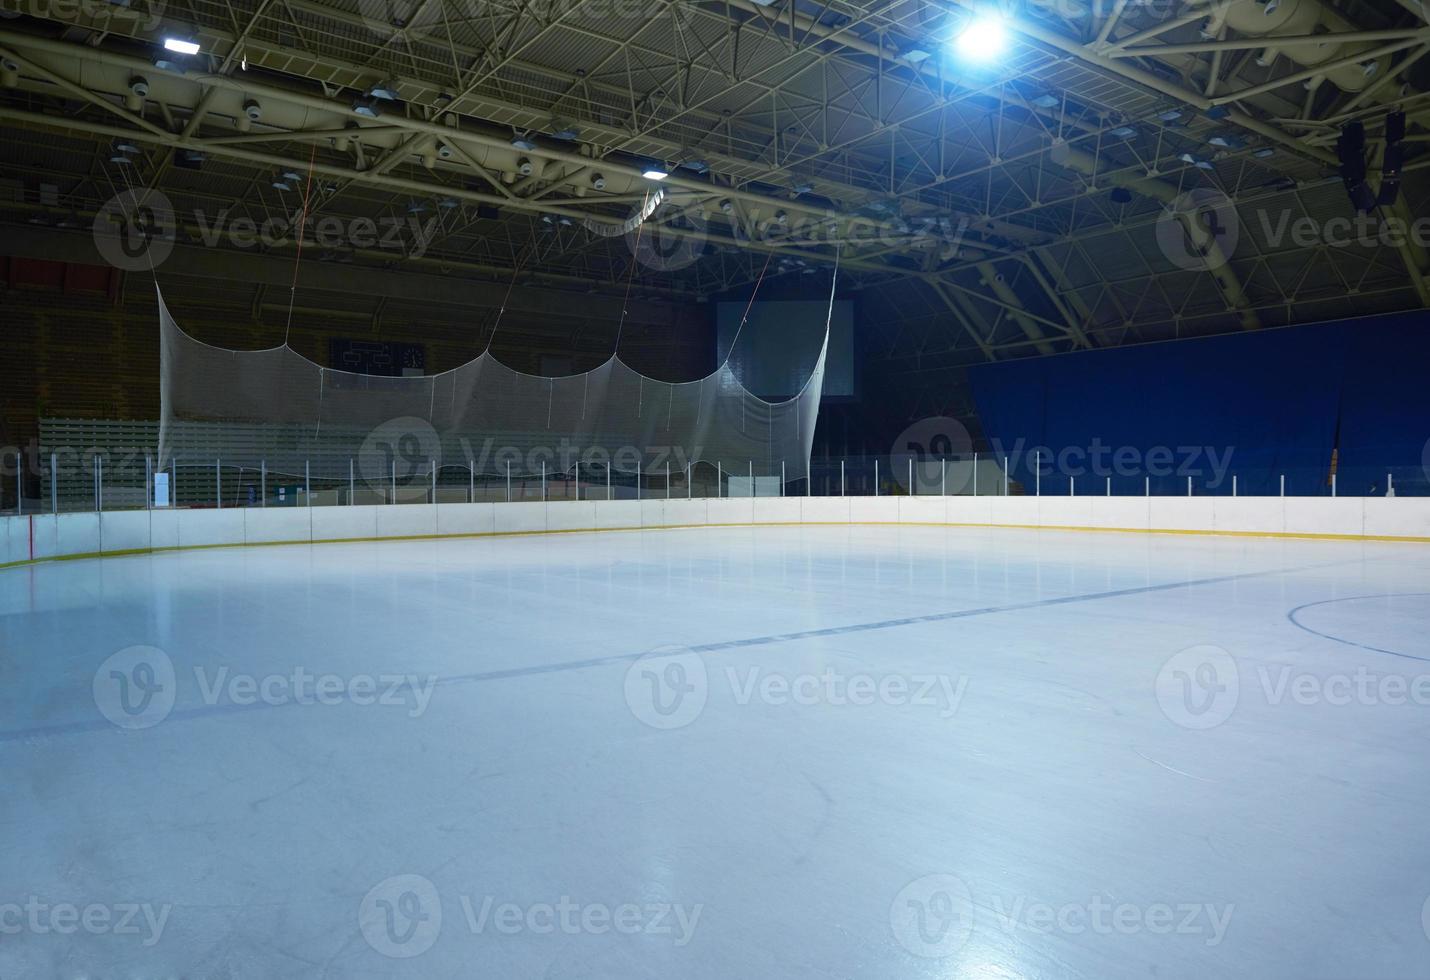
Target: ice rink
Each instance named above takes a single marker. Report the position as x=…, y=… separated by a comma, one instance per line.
x=853, y=752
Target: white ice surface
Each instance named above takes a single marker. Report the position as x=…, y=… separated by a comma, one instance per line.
x=1098, y=832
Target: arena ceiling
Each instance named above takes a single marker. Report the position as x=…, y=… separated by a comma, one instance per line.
x=1017, y=203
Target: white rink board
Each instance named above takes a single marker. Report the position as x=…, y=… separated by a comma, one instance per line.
x=123, y=531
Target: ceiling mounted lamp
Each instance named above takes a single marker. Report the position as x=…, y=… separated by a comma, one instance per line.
x=984, y=39
x=523, y=142
x=655, y=171
x=366, y=107
x=801, y=188
x=598, y=182
x=384, y=90
x=181, y=45
x=1122, y=132
x=563, y=130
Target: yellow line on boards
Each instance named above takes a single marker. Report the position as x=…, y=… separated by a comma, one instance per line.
x=130, y=552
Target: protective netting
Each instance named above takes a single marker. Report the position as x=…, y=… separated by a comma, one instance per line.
x=278, y=410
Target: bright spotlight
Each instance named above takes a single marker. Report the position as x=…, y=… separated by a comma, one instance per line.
x=983, y=40
x=654, y=173
x=181, y=45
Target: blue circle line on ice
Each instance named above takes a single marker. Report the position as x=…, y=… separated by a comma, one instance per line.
x=1340, y=639
x=206, y=711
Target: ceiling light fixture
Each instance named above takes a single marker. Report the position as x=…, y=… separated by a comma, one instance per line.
x=984, y=39
x=180, y=45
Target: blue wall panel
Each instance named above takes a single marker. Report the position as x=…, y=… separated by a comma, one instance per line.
x=1256, y=405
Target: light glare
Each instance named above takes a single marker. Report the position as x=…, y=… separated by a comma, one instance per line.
x=654, y=174
x=180, y=46
x=983, y=40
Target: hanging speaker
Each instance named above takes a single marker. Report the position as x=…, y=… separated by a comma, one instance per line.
x=1393, y=161
x=1350, y=149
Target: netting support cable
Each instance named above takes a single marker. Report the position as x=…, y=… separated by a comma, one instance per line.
x=748, y=307
x=630, y=280
x=302, y=222
x=505, y=299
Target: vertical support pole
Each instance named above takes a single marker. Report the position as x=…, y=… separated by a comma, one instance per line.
x=19, y=483
x=752, y=477
x=1109, y=486
x=471, y=481
x=667, y=479
x=841, y=478
x=393, y=478
x=352, y=484
x=638, y=478
x=1389, y=484
x=809, y=478
x=1333, y=484
x=689, y=490
x=719, y=478
x=148, y=482
x=99, y=482
x=308, y=482
x=263, y=483
x=608, y=481
x=543, y=481
x=782, y=478
x=173, y=482
x=1038, y=473
x=1147, y=485
x=1283, y=484
x=508, y=481
x=1189, y=486
x=434, y=481
x=218, y=484
x=876, y=476
x=1233, y=484
x=943, y=478
x=1072, y=486
x=578, y=479
x=912, y=488
x=54, y=482
x=1005, y=476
